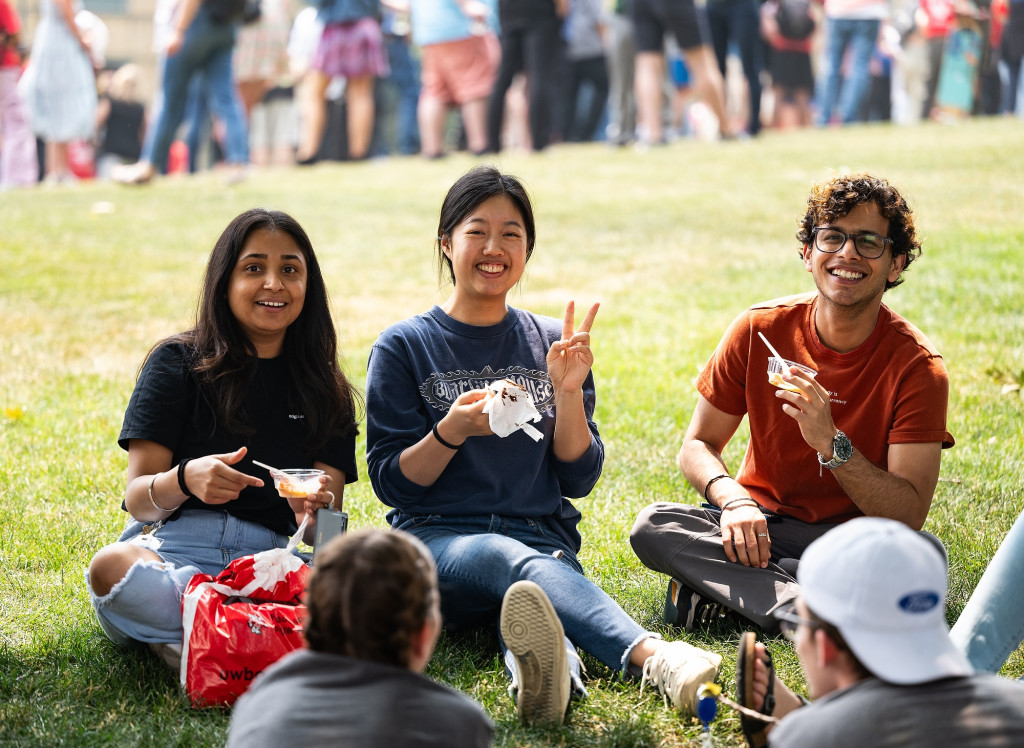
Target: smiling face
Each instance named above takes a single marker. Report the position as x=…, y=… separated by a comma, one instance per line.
x=488, y=253
x=844, y=278
x=267, y=289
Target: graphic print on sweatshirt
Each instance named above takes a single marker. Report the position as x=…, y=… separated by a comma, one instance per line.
x=442, y=389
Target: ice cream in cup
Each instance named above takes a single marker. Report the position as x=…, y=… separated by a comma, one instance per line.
x=296, y=483
x=775, y=372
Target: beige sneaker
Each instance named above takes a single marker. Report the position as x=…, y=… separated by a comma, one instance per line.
x=534, y=636
x=678, y=670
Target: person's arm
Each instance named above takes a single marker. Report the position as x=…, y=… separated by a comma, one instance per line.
x=474, y=10
x=153, y=491
x=183, y=19
x=744, y=527
x=569, y=362
x=67, y=12
x=903, y=492
x=423, y=462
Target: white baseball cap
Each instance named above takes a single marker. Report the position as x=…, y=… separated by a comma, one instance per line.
x=883, y=586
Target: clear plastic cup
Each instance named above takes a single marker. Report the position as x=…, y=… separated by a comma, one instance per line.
x=775, y=373
x=297, y=483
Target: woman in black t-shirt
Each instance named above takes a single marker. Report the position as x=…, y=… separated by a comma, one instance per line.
x=256, y=378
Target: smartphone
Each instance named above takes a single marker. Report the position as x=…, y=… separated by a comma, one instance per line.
x=329, y=524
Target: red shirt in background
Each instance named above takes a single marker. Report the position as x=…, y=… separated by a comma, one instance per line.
x=10, y=24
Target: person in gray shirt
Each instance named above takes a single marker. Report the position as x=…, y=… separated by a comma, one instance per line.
x=870, y=631
x=374, y=618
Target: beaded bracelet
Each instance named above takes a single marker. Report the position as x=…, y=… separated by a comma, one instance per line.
x=450, y=446
x=153, y=501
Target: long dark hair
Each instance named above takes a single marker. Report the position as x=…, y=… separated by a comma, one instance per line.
x=471, y=190
x=370, y=593
x=225, y=359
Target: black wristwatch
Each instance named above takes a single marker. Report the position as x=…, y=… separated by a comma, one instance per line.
x=842, y=450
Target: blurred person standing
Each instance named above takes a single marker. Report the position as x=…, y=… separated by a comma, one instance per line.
x=351, y=46
x=396, y=129
x=936, y=19
x=196, y=41
x=460, y=56
x=789, y=37
x=120, y=121
x=530, y=36
x=261, y=53
x=851, y=26
x=689, y=24
x=59, y=85
x=587, y=69
x=19, y=165
x=735, y=24
x=1011, y=53
x=620, y=49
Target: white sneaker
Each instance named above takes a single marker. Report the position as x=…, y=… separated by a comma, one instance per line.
x=678, y=670
x=534, y=636
x=169, y=653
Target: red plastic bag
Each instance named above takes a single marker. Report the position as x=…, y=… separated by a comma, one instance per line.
x=239, y=622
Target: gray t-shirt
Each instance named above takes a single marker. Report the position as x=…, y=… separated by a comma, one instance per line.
x=309, y=699
x=981, y=711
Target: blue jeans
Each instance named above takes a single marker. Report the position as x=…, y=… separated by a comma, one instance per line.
x=859, y=36
x=737, y=21
x=991, y=626
x=207, y=49
x=145, y=606
x=478, y=559
x=405, y=81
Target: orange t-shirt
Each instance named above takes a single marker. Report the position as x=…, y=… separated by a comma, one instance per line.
x=893, y=389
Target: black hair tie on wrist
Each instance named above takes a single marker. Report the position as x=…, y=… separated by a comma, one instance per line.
x=449, y=445
x=181, y=479
x=708, y=485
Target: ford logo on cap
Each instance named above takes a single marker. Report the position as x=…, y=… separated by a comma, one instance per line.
x=919, y=602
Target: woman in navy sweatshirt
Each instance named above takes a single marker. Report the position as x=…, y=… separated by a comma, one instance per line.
x=496, y=512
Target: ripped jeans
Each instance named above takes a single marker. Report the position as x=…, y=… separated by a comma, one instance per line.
x=145, y=606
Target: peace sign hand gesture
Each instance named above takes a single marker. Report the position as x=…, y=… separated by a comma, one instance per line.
x=569, y=359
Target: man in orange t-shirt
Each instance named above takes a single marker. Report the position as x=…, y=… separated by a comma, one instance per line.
x=862, y=435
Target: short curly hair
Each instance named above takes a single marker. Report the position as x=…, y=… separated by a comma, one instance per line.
x=370, y=593
x=838, y=196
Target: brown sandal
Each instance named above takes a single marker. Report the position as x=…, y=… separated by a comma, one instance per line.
x=755, y=730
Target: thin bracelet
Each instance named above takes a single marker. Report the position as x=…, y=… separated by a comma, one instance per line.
x=730, y=502
x=706, y=487
x=450, y=446
x=153, y=501
x=181, y=479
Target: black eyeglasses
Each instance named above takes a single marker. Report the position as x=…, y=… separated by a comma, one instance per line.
x=790, y=622
x=869, y=246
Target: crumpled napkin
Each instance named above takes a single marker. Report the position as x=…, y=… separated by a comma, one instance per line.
x=511, y=408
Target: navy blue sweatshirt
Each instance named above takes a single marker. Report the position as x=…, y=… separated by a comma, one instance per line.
x=419, y=366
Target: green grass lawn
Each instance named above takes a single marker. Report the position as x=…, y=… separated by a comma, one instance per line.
x=673, y=242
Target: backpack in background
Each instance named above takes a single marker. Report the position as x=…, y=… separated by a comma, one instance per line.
x=234, y=11
x=795, y=19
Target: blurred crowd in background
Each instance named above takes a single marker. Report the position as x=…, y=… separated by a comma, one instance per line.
x=254, y=83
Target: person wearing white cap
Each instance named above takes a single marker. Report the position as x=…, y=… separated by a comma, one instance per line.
x=871, y=634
